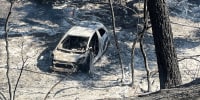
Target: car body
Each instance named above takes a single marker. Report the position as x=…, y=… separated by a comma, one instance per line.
x=80, y=47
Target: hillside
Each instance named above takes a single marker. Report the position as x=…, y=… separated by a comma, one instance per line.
x=40, y=27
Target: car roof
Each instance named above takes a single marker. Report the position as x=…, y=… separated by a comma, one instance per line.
x=85, y=28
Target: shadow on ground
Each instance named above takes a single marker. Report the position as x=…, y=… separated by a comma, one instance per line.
x=189, y=42
x=44, y=60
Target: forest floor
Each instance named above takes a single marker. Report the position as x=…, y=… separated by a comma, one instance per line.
x=38, y=28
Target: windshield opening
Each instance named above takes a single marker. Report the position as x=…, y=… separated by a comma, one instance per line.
x=75, y=43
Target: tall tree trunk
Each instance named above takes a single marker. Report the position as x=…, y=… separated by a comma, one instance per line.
x=169, y=73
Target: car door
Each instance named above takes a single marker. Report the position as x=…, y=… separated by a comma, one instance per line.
x=95, y=46
x=103, y=38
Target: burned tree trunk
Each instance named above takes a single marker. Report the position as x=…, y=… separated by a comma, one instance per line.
x=169, y=73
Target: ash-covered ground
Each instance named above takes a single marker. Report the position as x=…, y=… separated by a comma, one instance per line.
x=40, y=27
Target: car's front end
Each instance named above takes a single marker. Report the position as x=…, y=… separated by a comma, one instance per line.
x=70, y=53
x=67, y=61
x=60, y=66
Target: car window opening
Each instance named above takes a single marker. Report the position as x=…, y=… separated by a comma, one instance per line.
x=102, y=31
x=75, y=43
x=95, y=44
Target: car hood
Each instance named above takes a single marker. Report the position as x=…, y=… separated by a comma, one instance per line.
x=66, y=57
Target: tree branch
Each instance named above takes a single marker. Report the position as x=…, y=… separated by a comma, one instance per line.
x=3, y=96
x=54, y=87
x=142, y=47
x=7, y=49
x=116, y=40
x=24, y=60
x=139, y=38
x=190, y=57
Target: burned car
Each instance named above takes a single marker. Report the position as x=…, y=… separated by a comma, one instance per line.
x=80, y=47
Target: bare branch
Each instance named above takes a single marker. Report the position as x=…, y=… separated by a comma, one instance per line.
x=133, y=49
x=142, y=47
x=132, y=54
x=54, y=87
x=24, y=60
x=116, y=40
x=7, y=49
x=188, y=71
x=190, y=57
x=3, y=96
x=185, y=25
x=139, y=38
